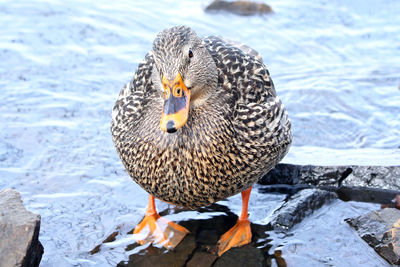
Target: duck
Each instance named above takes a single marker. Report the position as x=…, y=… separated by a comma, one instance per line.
x=199, y=122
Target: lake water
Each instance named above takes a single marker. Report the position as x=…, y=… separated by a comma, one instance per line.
x=335, y=65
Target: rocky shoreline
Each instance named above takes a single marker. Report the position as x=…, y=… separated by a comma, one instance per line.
x=307, y=188
x=377, y=184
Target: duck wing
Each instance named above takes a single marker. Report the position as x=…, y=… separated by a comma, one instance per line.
x=127, y=111
x=260, y=119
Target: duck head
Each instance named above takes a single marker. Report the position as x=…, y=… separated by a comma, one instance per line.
x=185, y=75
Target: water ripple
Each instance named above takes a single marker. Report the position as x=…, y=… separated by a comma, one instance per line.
x=335, y=65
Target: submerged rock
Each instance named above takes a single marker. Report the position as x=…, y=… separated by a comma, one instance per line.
x=299, y=206
x=19, y=232
x=381, y=230
x=243, y=8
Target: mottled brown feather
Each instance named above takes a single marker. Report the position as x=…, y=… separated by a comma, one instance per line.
x=240, y=133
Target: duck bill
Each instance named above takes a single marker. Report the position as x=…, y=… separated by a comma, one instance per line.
x=176, y=105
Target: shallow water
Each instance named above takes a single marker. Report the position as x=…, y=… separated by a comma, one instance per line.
x=335, y=65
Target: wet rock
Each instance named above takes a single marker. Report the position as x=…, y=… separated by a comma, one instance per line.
x=383, y=177
x=161, y=257
x=305, y=174
x=364, y=194
x=198, y=247
x=201, y=259
x=243, y=8
x=299, y=206
x=244, y=256
x=381, y=230
x=19, y=232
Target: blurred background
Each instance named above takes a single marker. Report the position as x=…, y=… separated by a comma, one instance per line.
x=335, y=65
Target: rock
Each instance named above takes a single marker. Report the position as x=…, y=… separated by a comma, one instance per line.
x=158, y=257
x=300, y=205
x=198, y=247
x=19, y=232
x=305, y=174
x=381, y=230
x=244, y=256
x=385, y=177
x=201, y=259
x=381, y=178
x=364, y=194
x=243, y=8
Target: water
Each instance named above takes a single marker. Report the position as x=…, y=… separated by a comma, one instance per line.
x=335, y=65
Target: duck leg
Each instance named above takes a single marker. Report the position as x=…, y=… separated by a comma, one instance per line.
x=156, y=229
x=240, y=234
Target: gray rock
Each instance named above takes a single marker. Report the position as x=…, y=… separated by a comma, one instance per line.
x=306, y=174
x=19, y=232
x=381, y=182
x=243, y=8
x=364, y=194
x=381, y=230
x=300, y=205
x=384, y=177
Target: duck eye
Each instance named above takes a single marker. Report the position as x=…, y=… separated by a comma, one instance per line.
x=190, y=53
x=178, y=92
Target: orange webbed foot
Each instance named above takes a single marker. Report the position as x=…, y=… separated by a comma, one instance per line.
x=158, y=230
x=239, y=235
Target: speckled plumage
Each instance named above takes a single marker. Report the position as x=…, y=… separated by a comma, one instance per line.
x=235, y=136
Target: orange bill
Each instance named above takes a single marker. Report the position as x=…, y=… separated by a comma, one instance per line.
x=176, y=104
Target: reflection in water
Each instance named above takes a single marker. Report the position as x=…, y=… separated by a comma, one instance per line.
x=198, y=248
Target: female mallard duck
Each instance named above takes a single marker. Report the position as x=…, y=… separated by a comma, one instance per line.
x=199, y=122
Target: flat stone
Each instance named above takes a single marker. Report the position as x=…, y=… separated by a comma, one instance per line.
x=207, y=237
x=19, y=232
x=243, y=8
x=381, y=230
x=299, y=206
x=201, y=259
x=384, y=177
x=244, y=256
x=158, y=257
x=378, y=184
